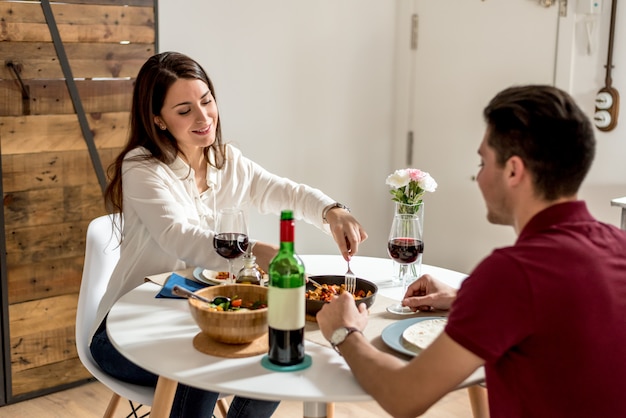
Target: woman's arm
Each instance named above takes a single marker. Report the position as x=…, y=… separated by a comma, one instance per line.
x=270, y=193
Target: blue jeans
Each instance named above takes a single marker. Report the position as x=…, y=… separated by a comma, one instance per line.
x=189, y=402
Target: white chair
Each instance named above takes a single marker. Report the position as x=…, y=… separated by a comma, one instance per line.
x=101, y=255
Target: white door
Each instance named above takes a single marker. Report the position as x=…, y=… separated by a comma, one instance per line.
x=466, y=51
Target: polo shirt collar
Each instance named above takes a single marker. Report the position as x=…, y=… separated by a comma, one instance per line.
x=567, y=212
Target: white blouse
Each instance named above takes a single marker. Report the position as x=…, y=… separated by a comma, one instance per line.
x=169, y=225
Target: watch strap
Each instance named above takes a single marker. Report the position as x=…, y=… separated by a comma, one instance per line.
x=332, y=206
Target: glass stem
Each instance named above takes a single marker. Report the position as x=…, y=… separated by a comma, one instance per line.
x=403, y=273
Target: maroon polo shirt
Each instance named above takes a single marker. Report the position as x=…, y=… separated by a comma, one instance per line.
x=548, y=315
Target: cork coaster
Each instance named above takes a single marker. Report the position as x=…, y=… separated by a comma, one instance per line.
x=207, y=345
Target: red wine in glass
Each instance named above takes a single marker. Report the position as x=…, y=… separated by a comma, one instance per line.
x=230, y=244
x=405, y=246
x=231, y=236
x=405, y=250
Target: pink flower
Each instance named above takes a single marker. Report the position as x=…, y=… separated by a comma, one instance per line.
x=415, y=174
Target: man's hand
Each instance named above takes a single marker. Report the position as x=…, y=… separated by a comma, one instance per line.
x=428, y=293
x=341, y=312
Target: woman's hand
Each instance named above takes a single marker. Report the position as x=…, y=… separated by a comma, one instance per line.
x=264, y=253
x=428, y=293
x=347, y=231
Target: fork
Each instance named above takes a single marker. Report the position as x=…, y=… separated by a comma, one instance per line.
x=350, y=280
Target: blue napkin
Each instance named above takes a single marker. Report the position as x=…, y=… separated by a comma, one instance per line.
x=175, y=279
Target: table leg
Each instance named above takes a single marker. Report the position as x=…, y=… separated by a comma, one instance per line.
x=478, y=401
x=163, y=398
x=315, y=409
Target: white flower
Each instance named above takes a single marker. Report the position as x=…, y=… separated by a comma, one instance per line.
x=428, y=183
x=399, y=178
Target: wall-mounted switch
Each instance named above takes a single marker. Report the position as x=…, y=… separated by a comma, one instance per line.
x=602, y=119
x=607, y=109
x=604, y=100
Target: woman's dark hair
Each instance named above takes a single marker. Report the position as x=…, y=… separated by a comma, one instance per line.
x=155, y=78
x=545, y=128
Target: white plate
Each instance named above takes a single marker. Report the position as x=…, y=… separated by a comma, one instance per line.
x=405, y=311
x=206, y=276
x=210, y=276
x=392, y=335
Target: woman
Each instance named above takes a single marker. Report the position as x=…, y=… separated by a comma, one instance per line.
x=169, y=181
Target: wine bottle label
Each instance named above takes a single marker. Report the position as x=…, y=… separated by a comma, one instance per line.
x=286, y=308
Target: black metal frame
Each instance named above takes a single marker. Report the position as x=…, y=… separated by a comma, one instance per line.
x=73, y=90
x=135, y=409
x=5, y=364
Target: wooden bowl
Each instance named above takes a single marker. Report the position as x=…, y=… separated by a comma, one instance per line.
x=231, y=327
x=313, y=306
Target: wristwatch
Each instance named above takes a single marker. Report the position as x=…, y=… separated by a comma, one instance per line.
x=339, y=336
x=332, y=206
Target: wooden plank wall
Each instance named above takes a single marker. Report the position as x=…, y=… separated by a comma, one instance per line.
x=51, y=191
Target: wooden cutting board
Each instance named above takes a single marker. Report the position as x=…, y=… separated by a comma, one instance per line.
x=207, y=345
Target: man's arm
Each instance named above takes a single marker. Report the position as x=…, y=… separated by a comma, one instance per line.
x=408, y=390
x=402, y=389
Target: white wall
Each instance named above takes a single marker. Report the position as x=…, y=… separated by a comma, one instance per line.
x=307, y=90
x=304, y=88
x=607, y=178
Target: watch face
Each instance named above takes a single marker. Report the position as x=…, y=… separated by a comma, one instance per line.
x=339, y=335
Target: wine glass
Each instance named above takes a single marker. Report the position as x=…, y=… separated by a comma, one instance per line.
x=405, y=246
x=231, y=236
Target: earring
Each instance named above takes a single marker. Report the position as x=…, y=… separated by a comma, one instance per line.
x=162, y=127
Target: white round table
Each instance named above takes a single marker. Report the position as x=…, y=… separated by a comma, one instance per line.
x=157, y=334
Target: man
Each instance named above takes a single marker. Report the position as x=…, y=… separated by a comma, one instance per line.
x=547, y=316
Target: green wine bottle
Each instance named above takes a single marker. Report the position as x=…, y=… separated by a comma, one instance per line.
x=285, y=299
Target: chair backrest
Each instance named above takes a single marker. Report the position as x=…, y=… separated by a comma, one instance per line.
x=101, y=256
